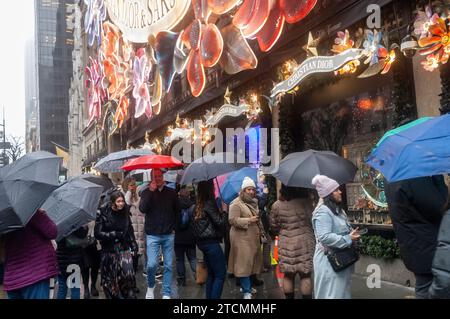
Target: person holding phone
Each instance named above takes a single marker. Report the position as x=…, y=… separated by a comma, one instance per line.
x=246, y=237
x=161, y=207
x=332, y=231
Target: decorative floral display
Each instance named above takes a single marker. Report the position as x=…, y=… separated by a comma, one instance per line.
x=93, y=20
x=373, y=47
x=435, y=42
x=96, y=91
x=141, y=93
x=265, y=19
x=343, y=43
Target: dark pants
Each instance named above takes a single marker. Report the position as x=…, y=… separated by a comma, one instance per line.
x=91, y=267
x=180, y=252
x=40, y=290
x=423, y=283
x=215, y=262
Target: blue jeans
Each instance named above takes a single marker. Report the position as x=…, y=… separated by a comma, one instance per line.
x=215, y=262
x=166, y=242
x=39, y=290
x=62, y=289
x=246, y=284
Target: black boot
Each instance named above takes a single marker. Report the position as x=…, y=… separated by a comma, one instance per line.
x=307, y=296
x=289, y=295
x=87, y=295
x=94, y=291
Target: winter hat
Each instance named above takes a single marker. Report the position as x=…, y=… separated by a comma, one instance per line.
x=324, y=185
x=248, y=182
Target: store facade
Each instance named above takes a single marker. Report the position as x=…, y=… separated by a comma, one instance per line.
x=346, y=109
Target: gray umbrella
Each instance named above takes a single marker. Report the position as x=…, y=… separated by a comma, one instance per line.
x=209, y=167
x=24, y=186
x=73, y=205
x=114, y=161
x=99, y=180
x=298, y=169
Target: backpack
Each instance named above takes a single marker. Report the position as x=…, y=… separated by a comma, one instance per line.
x=186, y=214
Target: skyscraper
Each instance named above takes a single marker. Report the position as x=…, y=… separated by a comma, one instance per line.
x=54, y=46
x=30, y=97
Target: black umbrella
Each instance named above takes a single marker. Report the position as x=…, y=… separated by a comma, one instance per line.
x=209, y=167
x=298, y=169
x=73, y=205
x=99, y=180
x=24, y=186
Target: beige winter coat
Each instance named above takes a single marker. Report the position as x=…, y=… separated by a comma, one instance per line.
x=138, y=221
x=245, y=243
x=292, y=220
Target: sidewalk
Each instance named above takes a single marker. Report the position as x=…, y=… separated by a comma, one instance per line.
x=271, y=290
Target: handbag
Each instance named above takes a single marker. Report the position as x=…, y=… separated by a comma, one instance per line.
x=201, y=273
x=341, y=259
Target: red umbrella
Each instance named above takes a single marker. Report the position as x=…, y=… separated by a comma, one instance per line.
x=152, y=162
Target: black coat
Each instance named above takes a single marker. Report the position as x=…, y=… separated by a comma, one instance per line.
x=115, y=227
x=161, y=209
x=416, y=207
x=185, y=236
x=70, y=256
x=210, y=227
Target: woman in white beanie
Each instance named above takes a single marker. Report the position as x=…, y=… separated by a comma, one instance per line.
x=332, y=230
x=245, y=237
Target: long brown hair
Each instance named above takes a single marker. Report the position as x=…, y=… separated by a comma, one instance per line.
x=205, y=192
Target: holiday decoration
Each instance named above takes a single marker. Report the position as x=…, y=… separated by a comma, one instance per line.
x=141, y=93
x=93, y=23
x=237, y=54
x=434, y=32
x=265, y=19
x=96, y=90
x=342, y=43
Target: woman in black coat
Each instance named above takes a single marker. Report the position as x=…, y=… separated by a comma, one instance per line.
x=208, y=225
x=114, y=230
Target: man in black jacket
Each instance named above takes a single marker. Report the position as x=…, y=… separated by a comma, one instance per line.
x=417, y=206
x=161, y=208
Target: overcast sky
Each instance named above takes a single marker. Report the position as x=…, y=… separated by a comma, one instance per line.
x=16, y=26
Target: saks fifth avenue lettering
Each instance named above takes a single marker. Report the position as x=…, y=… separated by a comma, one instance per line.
x=138, y=19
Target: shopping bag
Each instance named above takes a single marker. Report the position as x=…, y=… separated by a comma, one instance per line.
x=201, y=272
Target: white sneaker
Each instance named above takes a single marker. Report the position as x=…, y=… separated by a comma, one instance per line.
x=254, y=291
x=166, y=297
x=247, y=296
x=150, y=293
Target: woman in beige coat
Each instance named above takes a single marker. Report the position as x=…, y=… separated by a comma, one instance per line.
x=245, y=237
x=291, y=219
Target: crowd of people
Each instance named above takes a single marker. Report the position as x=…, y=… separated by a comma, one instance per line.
x=142, y=227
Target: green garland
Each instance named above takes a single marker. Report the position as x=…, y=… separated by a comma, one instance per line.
x=378, y=247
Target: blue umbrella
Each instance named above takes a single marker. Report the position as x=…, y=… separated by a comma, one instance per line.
x=419, y=151
x=232, y=185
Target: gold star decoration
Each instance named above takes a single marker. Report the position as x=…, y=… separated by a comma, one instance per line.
x=311, y=46
x=227, y=96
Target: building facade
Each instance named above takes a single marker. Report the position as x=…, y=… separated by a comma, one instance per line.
x=30, y=98
x=54, y=46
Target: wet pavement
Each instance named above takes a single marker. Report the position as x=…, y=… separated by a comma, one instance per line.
x=270, y=289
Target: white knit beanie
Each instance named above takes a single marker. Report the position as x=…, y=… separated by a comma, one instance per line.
x=324, y=185
x=248, y=182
